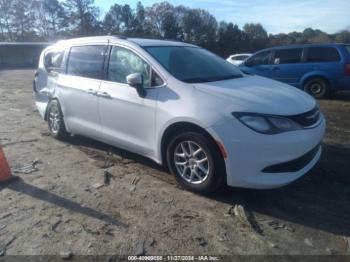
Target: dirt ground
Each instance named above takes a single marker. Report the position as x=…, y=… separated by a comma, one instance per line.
x=59, y=209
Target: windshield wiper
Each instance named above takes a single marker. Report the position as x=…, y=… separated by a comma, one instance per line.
x=228, y=77
x=195, y=80
x=210, y=79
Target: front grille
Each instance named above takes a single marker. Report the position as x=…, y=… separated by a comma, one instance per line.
x=307, y=119
x=293, y=165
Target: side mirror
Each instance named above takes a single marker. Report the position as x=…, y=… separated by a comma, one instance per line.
x=136, y=80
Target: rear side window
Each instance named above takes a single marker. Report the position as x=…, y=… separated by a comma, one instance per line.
x=322, y=54
x=86, y=61
x=53, y=60
x=262, y=58
x=288, y=56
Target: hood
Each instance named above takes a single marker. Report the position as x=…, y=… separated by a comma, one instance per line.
x=260, y=95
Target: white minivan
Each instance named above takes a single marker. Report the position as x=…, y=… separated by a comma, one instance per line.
x=182, y=106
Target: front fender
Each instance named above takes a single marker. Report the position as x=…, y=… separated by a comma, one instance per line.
x=161, y=131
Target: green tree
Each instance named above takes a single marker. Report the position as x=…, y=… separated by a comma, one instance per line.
x=6, y=7
x=22, y=20
x=320, y=38
x=83, y=17
x=128, y=18
x=343, y=36
x=51, y=19
x=199, y=27
x=257, y=36
x=230, y=39
x=255, y=31
x=112, y=20
x=140, y=28
x=120, y=19
x=162, y=21
x=30, y=20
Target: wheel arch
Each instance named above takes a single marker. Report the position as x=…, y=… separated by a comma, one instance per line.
x=62, y=111
x=316, y=75
x=174, y=129
x=47, y=107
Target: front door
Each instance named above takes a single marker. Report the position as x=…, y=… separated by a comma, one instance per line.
x=258, y=64
x=287, y=66
x=127, y=120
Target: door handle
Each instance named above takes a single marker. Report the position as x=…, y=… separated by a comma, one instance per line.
x=104, y=94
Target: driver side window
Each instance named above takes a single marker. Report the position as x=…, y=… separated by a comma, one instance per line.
x=262, y=58
x=124, y=62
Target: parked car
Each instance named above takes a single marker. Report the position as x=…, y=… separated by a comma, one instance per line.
x=181, y=106
x=319, y=69
x=237, y=59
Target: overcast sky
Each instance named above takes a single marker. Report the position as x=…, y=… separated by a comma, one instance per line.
x=277, y=16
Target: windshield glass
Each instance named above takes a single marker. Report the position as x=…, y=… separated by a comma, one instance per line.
x=348, y=48
x=193, y=64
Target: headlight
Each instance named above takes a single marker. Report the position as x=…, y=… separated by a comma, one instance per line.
x=267, y=124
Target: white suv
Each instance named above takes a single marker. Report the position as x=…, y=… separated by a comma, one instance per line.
x=181, y=106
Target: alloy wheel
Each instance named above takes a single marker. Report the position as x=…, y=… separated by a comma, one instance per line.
x=191, y=162
x=54, y=119
x=315, y=88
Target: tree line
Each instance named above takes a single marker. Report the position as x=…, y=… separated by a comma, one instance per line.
x=50, y=20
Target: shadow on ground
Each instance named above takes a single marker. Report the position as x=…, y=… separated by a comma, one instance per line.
x=99, y=151
x=319, y=200
x=19, y=185
x=341, y=96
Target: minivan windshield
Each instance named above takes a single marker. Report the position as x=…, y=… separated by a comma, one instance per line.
x=348, y=48
x=193, y=64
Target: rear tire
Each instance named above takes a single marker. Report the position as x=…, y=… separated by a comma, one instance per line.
x=317, y=87
x=195, y=162
x=55, y=120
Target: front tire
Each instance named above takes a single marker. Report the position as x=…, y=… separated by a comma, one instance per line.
x=195, y=162
x=317, y=87
x=55, y=120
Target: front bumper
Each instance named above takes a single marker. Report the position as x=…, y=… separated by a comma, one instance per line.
x=250, y=154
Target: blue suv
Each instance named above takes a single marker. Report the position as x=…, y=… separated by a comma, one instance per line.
x=319, y=69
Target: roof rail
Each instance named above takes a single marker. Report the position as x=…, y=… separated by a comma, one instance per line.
x=118, y=36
